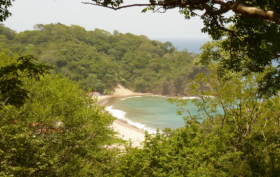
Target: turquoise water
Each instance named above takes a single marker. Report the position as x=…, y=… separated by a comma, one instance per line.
x=148, y=112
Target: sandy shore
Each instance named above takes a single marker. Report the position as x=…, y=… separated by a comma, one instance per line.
x=126, y=131
x=119, y=91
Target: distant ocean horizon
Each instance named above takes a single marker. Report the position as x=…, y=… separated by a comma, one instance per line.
x=191, y=44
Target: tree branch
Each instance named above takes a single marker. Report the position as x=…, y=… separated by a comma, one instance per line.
x=263, y=129
x=166, y=5
x=254, y=12
x=238, y=7
x=211, y=12
x=121, y=7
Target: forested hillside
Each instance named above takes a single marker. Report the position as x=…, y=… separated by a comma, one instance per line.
x=47, y=125
x=99, y=60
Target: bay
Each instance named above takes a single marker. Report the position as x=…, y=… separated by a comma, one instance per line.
x=148, y=112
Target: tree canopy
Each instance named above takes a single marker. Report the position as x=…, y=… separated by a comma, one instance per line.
x=251, y=30
x=99, y=60
x=12, y=72
x=57, y=131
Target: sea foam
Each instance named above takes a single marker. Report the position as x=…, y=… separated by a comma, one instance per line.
x=194, y=97
x=129, y=97
x=119, y=114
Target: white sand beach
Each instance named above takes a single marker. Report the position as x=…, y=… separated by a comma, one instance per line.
x=126, y=131
x=119, y=91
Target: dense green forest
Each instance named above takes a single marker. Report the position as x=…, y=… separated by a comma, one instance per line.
x=99, y=60
x=55, y=130
x=49, y=127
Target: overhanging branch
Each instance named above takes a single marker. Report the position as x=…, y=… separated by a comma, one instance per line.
x=166, y=5
x=117, y=8
x=212, y=12
x=237, y=7
x=257, y=13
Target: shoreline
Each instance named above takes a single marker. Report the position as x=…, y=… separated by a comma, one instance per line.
x=126, y=131
x=120, y=91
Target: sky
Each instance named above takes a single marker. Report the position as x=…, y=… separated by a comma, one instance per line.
x=172, y=24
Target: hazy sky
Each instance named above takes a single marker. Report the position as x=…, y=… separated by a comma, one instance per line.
x=27, y=13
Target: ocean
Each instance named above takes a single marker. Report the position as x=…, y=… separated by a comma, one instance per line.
x=148, y=112
x=191, y=44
